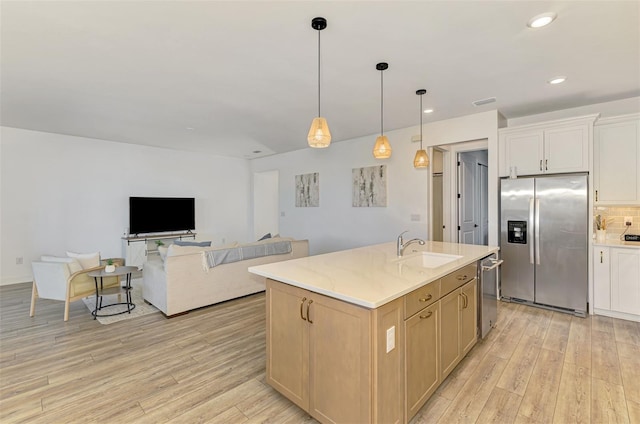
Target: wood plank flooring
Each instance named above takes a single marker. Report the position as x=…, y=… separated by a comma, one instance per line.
x=537, y=366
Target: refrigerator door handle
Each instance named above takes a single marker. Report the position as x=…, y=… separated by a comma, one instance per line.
x=537, y=231
x=530, y=223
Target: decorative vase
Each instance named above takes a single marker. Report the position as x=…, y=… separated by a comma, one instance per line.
x=109, y=268
x=601, y=235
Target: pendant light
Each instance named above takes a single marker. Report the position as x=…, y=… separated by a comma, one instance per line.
x=422, y=159
x=319, y=135
x=382, y=148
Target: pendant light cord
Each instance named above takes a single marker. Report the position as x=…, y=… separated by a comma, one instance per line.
x=319, y=115
x=381, y=104
x=421, y=122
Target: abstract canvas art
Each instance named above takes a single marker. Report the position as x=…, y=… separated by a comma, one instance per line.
x=369, y=186
x=308, y=190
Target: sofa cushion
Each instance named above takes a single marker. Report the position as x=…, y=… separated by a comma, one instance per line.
x=87, y=260
x=176, y=250
x=162, y=250
x=192, y=243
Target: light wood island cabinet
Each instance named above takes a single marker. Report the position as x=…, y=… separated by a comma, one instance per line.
x=344, y=363
x=323, y=354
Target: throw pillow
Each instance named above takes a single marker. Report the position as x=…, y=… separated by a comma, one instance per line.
x=87, y=260
x=264, y=237
x=192, y=243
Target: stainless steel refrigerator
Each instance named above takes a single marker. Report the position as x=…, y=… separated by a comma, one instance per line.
x=544, y=241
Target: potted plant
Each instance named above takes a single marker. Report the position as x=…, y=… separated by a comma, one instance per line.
x=159, y=243
x=601, y=228
x=110, y=267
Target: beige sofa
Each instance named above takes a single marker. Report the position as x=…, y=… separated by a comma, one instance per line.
x=182, y=281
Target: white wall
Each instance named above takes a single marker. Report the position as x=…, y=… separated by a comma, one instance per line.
x=266, y=208
x=64, y=193
x=335, y=224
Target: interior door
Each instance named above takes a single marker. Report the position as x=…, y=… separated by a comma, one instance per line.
x=468, y=229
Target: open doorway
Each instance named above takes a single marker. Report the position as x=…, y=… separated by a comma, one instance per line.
x=265, y=203
x=465, y=218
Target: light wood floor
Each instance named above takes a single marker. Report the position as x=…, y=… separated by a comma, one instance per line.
x=208, y=366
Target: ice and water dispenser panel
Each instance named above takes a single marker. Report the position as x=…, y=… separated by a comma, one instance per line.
x=517, y=232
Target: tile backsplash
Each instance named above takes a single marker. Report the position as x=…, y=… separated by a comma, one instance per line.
x=615, y=219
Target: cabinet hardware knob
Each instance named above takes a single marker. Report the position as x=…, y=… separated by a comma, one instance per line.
x=461, y=277
x=426, y=299
x=304, y=299
x=426, y=316
x=308, y=305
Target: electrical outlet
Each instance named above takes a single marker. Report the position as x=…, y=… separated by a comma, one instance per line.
x=391, y=338
x=19, y=260
x=415, y=217
x=628, y=221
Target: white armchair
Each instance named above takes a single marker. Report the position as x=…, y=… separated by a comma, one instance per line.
x=54, y=280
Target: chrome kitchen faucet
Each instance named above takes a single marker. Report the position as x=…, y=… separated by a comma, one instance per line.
x=401, y=245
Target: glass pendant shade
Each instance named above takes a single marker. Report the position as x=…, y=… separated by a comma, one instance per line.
x=319, y=135
x=382, y=148
x=421, y=160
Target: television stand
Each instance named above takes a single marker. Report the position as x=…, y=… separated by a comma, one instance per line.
x=136, y=248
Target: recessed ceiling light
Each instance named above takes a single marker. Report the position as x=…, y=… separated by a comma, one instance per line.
x=428, y=111
x=541, y=20
x=189, y=128
x=557, y=80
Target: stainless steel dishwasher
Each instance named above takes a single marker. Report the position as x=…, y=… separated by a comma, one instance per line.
x=488, y=293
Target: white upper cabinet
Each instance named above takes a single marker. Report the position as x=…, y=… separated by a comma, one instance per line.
x=550, y=147
x=616, y=161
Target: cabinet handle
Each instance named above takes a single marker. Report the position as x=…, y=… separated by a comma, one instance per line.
x=461, y=277
x=308, y=305
x=541, y=164
x=546, y=164
x=426, y=299
x=601, y=256
x=596, y=195
x=465, y=299
x=304, y=299
x=426, y=316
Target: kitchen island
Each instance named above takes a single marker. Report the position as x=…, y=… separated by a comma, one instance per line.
x=362, y=335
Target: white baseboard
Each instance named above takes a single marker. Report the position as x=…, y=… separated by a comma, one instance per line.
x=615, y=314
x=7, y=281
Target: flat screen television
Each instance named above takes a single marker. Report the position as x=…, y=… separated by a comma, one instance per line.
x=161, y=214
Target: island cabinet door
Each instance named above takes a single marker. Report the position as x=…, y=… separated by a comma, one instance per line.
x=450, y=351
x=468, y=316
x=421, y=361
x=288, y=342
x=340, y=365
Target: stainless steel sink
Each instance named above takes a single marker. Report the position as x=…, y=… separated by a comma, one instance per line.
x=427, y=259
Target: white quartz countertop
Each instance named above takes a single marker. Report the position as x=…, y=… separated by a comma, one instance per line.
x=617, y=243
x=370, y=276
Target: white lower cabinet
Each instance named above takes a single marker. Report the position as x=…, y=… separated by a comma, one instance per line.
x=601, y=278
x=625, y=280
x=616, y=282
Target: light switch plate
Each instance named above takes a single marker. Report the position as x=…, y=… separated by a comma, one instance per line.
x=391, y=338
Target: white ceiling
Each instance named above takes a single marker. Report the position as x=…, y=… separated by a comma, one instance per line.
x=242, y=75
